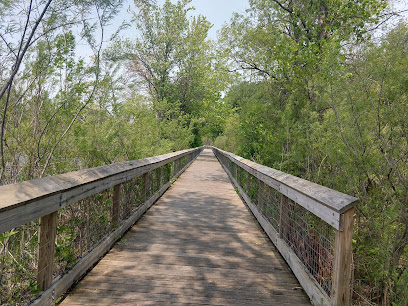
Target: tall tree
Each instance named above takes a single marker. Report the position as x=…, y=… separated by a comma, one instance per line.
x=173, y=58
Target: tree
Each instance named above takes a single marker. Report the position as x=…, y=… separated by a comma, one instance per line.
x=43, y=31
x=174, y=60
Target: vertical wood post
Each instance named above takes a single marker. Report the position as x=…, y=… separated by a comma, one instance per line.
x=342, y=269
x=46, y=249
x=283, y=209
x=116, y=204
x=145, y=182
x=236, y=171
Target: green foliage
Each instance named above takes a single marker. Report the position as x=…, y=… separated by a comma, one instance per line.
x=175, y=61
x=331, y=114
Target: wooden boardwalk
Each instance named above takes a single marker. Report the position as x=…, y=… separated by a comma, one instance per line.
x=198, y=244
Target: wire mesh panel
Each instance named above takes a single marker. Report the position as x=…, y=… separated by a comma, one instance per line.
x=80, y=227
x=167, y=173
x=131, y=196
x=269, y=204
x=252, y=187
x=18, y=264
x=241, y=178
x=312, y=240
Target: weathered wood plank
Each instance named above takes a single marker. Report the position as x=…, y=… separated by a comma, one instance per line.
x=226, y=283
x=46, y=249
x=342, y=268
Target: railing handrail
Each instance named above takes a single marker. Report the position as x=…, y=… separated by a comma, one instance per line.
x=326, y=203
x=29, y=200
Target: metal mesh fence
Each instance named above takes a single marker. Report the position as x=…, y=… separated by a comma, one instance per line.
x=269, y=204
x=18, y=263
x=80, y=228
x=310, y=238
x=131, y=197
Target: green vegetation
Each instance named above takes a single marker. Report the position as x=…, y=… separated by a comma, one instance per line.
x=311, y=88
x=329, y=103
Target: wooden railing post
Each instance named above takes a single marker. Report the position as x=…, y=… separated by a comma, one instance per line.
x=342, y=266
x=46, y=249
x=116, y=204
x=283, y=210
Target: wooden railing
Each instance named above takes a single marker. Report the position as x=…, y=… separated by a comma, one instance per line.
x=309, y=224
x=54, y=229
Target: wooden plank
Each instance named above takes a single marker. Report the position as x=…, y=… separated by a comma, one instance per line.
x=26, y=201
x=342, y=267
x=62, y=284
x=46, y=249
x=130, y=298
x=145, y=292
x=144, y=258
x=186, y=281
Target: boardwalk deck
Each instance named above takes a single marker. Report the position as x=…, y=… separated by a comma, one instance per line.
x=197, y=245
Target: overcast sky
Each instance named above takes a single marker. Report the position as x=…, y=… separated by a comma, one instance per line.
x=217, y=12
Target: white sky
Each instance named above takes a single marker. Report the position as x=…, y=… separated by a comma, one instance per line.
x=217, y=12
